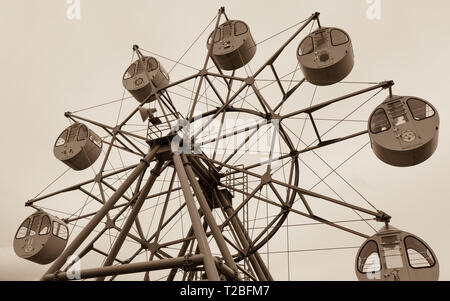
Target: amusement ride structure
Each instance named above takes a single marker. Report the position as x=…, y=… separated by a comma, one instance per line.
x=179, y=191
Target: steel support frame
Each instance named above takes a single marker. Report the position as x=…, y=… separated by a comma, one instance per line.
x=96, y=219
x=379, y=215
x=155, y=172
x=199, y=232
x=186, y=176
x=216, y=232
x=130, y=268
x=256, y=261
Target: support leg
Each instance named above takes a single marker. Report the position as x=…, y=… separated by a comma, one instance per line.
x=210, y=265
x=61, y=260
x=216, y=232
x=132, y=216
x=257, y=265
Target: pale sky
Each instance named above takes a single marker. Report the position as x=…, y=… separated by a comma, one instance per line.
x=52, y=64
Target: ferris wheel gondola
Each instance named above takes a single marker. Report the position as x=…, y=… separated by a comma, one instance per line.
x=404, y=130
x=232, y=45
x=143, y=77
x=78, y=146
x=41, y=238
x=326, y=56
x=395, y=255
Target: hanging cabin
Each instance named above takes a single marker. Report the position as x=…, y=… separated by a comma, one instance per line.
x=233, y=45
x=143, y=77
x=404, y=130
x=326, y=56
x=78, y=147
x=395, y=255
x=41, y=238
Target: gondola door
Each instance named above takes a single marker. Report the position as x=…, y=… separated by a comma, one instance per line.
x=403, y=124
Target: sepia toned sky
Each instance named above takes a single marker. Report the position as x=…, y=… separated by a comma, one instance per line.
x=52, y=64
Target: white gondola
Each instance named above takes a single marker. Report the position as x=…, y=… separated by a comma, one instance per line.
x=233, y=45
x=41, y=238
x=143, y=77
x=78, y=147
x=394, y=255
x=404, y=130
x=326, y=56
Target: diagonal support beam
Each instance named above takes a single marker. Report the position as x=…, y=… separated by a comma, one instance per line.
x=216, y=232
x=61, y=260
x=132, y=216
x=210, y=265
x=255, y=260
x=131, y=268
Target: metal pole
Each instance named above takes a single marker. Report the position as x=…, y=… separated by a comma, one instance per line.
x=203, y=71
x=182, y=251
x=132, y=216
x=61, y=260
x=199, y=232
x=131, y=268
x=161, y=220
x=384, y=85
x=239, y=229
x=216, y=232
x=276, y=54
x=379, y=214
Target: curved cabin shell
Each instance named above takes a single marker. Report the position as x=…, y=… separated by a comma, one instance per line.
x=41, y=238
x=78, y=147
x=326, y=56
x=395, y=255
x=143, y=77
x=404, y=130
x=233, y=45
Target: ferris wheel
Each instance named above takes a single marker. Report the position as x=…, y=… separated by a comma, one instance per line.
x=206, y=173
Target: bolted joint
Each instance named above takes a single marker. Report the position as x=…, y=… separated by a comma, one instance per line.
x=116, y=130
x=382, y=217
x=294, y=153
x=236, y=276
x=185, y=161
x=110, y=224
x=98, y=178
x=286, y=208
x=187, y=263
x=145, y=162
x=387, y=84
x=250, y=80
x=153, y=247
x=221, y=227
x=266, y=178
x=156, y=172
x=219, y=260
x=55, y=276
